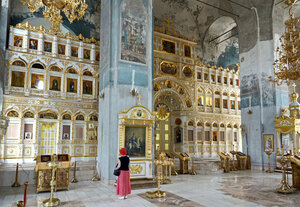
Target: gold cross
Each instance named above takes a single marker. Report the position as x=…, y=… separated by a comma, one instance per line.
x=139, y=97
x=169, y=21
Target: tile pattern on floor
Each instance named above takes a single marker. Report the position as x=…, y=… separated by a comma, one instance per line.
x=259, y=190
x=239, y=188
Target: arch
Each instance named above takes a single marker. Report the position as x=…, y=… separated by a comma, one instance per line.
x=177, y=102
x=221, y=43
x=12, y=113
x=222, y=125
x=55, y=68
x=200, y=90
x=207, y=124
x=38, y=65
x=217, y=93
x=79, y=117
x=66, y=116
x=71, y=70
x=228, y=125
x=199, y=124
x=48, y=114
x=93, y=117
x=190, y=123
x=215, y=124
x=87, y=73
x=28, y=114
x=19, y=62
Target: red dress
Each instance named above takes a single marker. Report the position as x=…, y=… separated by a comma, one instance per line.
x=123, y=182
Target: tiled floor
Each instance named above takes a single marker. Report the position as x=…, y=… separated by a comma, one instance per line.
x=240, y=188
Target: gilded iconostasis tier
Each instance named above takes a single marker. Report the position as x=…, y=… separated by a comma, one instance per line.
x=50, y=95
x=198, y=105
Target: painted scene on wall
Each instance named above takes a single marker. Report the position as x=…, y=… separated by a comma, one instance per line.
x=133, y=39
x=135, y=141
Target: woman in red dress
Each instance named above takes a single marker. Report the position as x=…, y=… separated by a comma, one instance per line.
x=123, y=182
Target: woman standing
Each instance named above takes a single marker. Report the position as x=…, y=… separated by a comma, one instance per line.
x=123, y=182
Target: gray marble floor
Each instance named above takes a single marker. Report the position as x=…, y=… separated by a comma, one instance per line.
x=240, y=188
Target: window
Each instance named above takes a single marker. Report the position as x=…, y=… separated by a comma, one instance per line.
x=237, y=82
x=190, y=135
x=215, y=136
x=212, y=78
x=187, y=51
x=199, y=75
x=199, y=136
x=232, y=103
x=235, y=136
x=231, y=81
x=222, y=136
x=217, y=102
x=225, y=80
x=219, y=79
x=225, y=105
x=206, y=76
x=207, y=135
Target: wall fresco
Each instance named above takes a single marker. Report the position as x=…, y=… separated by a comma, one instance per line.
x=133, y=32
x=88, y=26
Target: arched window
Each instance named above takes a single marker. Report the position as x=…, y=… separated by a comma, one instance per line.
x=87, y=83
x=37, y=76
x=191, y=129
x=207, y=132
x=200, y=97
x=72, y=80
x=199, y=131
x=209, y=98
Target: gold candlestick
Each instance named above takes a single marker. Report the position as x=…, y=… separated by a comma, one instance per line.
x=74, y=180
x=158, y=193
x=269, y=152
x=284, y=188
x=16, y=183
x=52, y=201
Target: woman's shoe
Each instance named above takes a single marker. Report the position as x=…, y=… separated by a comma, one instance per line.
x=125, y=197
x=122, y=198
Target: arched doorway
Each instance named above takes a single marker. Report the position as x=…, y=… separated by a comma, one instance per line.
x=48, y=131
x=168, y=137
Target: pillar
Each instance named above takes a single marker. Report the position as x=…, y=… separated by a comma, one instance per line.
x=4, y=27
x=262, y=100
x=124, y=65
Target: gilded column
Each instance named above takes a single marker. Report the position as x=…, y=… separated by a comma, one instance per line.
x=211, y=140
x=226, y=139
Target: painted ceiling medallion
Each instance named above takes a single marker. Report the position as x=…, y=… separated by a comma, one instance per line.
x=162, y=112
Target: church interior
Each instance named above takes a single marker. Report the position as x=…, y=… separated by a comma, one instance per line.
x=203, y=95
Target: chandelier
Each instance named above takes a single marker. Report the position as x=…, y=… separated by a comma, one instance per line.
x=73, y=9
x=287, y=66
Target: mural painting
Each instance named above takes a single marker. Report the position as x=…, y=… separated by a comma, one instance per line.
x=135, y=141
x=133, y=33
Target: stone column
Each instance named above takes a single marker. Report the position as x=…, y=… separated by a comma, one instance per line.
x=4, y=27
x=124, y=66
x=264, y=99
